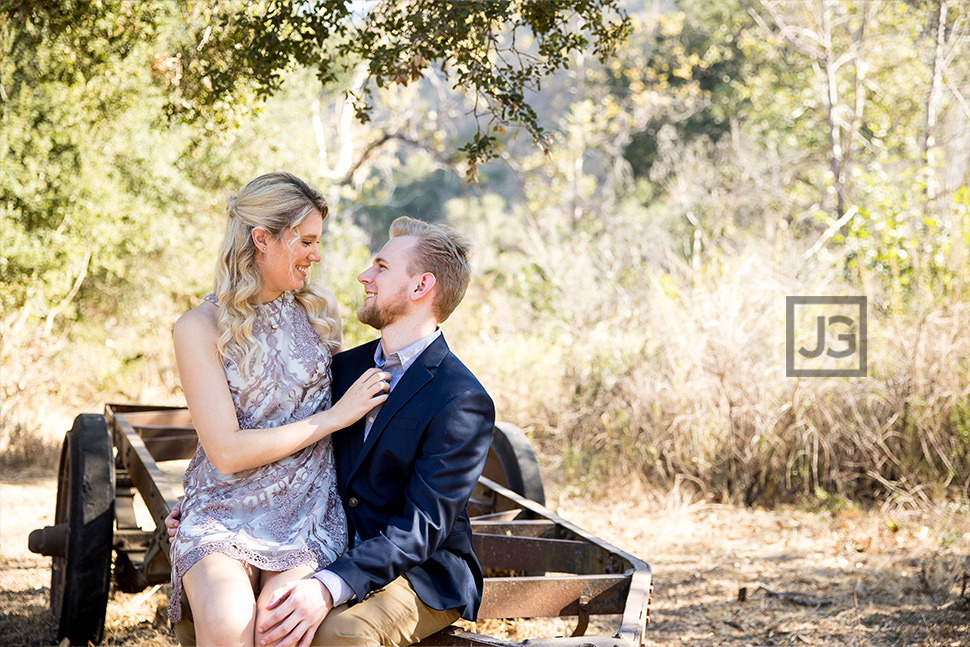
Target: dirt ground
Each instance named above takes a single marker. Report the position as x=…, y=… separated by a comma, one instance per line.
x=879, y=578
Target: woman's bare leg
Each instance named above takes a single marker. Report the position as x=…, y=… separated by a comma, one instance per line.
x=221, y=592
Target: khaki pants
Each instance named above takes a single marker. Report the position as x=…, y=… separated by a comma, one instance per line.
x=393, y=615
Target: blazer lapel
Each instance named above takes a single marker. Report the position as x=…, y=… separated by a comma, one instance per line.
x=353, y=447
x=414, y=379
x=351, y=365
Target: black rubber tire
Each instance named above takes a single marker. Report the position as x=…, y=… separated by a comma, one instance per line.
x=512, y=463
x=85, y=502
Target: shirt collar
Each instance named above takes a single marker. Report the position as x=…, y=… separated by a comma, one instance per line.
x=406, y=356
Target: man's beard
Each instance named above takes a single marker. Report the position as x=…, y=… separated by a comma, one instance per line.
x=380, y=316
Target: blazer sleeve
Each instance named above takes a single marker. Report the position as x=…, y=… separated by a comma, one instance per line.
x=445, y=473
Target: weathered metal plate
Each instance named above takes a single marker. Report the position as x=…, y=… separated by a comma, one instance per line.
x=552, y=596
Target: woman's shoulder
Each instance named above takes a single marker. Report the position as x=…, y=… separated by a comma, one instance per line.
x=200, y=321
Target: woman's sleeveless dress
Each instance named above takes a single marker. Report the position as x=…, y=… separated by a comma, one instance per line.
x=280, y=515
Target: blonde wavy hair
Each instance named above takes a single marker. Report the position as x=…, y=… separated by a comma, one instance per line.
x=277, y=202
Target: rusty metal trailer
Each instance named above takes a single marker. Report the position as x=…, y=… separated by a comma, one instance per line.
x=536, y=564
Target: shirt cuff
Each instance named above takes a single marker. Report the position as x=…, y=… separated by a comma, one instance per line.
x=340, y=591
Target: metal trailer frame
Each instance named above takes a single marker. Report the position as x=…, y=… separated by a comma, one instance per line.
x=537, y=565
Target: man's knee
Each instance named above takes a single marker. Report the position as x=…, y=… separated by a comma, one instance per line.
x=343, y=628
x=392, y=616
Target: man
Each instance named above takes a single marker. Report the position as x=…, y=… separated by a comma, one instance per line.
x=406, y=470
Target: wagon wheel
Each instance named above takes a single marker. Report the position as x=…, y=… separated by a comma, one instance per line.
x=80, y=577
x=511, y=463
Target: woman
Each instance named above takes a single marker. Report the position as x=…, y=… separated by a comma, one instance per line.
x=261, y=506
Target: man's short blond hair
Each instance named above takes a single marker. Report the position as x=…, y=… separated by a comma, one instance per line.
x=443, y=252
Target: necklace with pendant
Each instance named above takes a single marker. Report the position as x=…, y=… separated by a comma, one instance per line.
x=279, y=313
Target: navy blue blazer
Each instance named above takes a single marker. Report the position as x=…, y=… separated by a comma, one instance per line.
x=406, y=488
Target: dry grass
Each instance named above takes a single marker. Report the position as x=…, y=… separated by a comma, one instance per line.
x=680, y=374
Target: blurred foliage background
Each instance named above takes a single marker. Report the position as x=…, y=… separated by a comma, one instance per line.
x=645, y=183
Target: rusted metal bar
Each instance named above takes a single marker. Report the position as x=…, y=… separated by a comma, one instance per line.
x=163, y=431
x=636, y=613
x=583, y=623
x=144, y=473
x=552, y=596
x=156, y=416
x=173, y=448
x=538, y=554
x=455, y=637
x=515, y=528
x=132, y=541
x=124, y=501
x=168, y=435
x=504, y=515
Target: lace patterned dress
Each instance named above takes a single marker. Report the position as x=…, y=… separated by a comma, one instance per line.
x=280, y=515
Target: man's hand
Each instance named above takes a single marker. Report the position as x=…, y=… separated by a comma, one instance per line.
x=293, y=613
x=172, y=520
